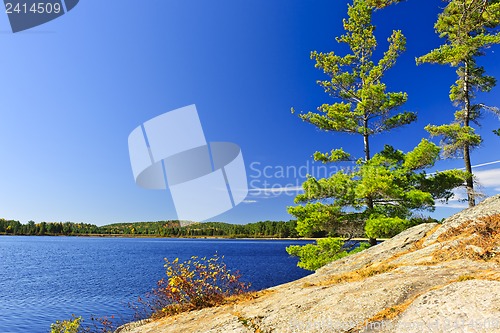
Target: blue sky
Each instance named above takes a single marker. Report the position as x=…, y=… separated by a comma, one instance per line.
x=73, y=89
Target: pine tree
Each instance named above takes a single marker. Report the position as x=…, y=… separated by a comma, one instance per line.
x=468, y=27
x=362, y=105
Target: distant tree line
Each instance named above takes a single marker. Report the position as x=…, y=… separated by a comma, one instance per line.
x=171, y=228
x=12, y=227
x=278, y=229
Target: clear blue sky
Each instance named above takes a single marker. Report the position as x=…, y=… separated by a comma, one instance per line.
x=73, y=89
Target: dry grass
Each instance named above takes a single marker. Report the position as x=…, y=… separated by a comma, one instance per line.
x=386, y=314
x=430, y=262
x=230, y=300
x=373, y=269
x=250, y=323
x=477, y=240
x=394, y=311
x=489, y=275
x=465, y=277
x=415, y=246
x=248, y=296
x=420, y=243
x=359, y=274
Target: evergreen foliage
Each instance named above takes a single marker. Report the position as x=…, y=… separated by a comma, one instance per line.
x=468, y=27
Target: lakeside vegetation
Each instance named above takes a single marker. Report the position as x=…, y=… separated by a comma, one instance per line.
x=388, y=189
x=192, y=284
x=170, y=228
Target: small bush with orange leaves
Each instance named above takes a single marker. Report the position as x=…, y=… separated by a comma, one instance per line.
x=193, y=284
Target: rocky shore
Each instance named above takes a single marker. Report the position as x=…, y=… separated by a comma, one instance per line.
x=430, y=278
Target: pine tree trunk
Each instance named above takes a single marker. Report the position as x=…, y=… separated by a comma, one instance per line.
x=467, y=161
x=369, y=199
x=469, y=181
x=367, y=143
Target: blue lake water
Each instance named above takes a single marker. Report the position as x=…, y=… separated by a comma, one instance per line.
x=44, y=279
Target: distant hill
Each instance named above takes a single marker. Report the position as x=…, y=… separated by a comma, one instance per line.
x=169, y=228
x=175, y=228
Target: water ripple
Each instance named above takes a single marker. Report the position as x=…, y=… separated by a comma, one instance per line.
x=44, y=279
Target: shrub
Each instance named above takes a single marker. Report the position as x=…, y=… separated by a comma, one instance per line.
x=378, y=226
x=74, y=325
x=67, y=326
x=326, y=250
x=384, y=227
x=193, y=284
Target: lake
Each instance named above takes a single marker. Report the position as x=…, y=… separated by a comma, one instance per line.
x=44, y=279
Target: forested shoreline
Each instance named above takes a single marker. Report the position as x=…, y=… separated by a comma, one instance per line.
x=170, y=228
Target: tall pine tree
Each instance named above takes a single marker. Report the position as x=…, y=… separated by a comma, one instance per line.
x=468, y=27
x=362, y=104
